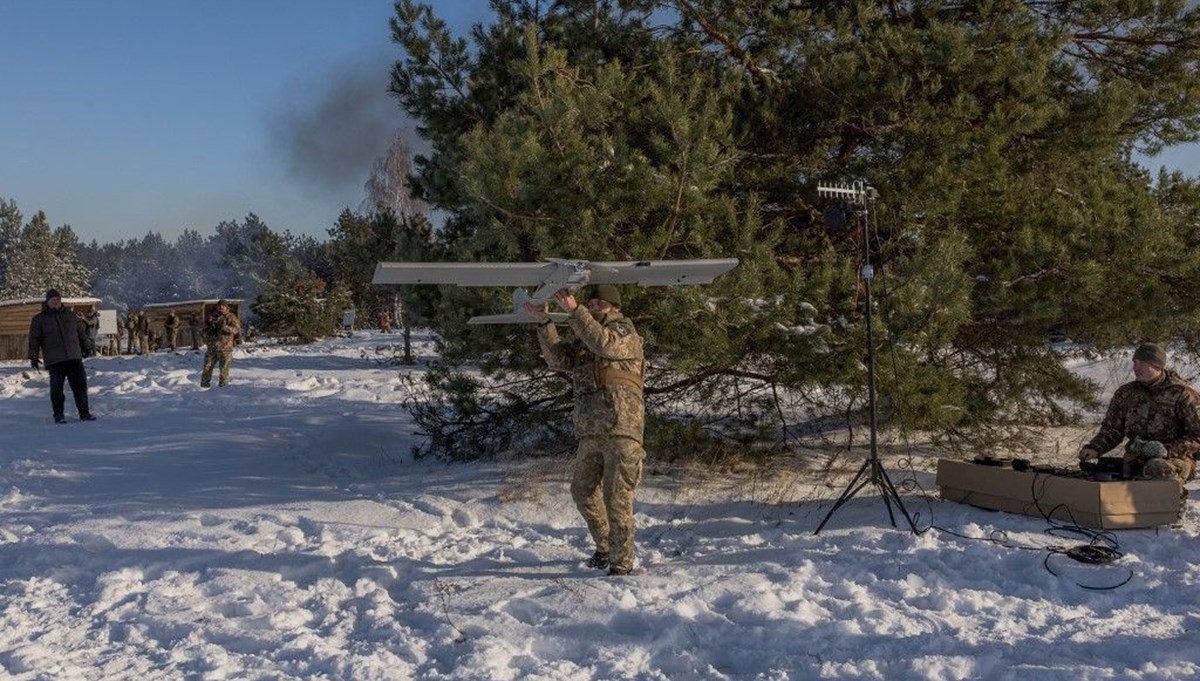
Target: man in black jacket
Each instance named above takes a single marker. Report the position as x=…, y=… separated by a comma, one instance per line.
x=61, y=337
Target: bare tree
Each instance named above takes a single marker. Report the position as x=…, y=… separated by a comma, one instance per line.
x=388, y=188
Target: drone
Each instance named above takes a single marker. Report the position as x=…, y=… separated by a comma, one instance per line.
x=549, y=277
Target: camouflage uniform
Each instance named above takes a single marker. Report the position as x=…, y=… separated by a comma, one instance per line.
x=143, y=333
x=194, y=326
x=131, y=329
x=606, y=364
x=1166, y=411
x=171, y=327
x=220, y=334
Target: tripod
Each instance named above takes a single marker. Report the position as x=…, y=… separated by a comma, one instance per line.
x=871, y=472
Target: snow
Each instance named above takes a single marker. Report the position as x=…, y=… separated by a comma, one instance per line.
x=279, y=528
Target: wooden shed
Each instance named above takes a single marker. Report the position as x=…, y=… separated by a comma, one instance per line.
x=156, y=314
x=15, y=316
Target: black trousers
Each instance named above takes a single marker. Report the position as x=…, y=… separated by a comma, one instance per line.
x=70, y=370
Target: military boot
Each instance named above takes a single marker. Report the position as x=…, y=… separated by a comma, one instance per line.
x=599, y=560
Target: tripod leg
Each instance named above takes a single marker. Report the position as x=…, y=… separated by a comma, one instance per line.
x=878, y=476
x=851, y=489
x=887, y=489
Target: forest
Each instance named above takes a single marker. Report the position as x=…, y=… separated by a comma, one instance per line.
x=1001, y=139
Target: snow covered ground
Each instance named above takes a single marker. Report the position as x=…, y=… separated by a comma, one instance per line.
x=280, y=529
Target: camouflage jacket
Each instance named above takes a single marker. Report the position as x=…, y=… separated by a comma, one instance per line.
x=606, y=363
x=1167, y=410
x=222, y=331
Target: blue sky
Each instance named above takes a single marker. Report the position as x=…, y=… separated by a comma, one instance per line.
x=125, y=117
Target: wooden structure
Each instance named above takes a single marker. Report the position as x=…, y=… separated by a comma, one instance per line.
x=156, y=314
x=15, y=316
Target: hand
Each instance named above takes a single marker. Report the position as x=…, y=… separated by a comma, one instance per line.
x=565, y=300
x=539, y=311
x=1088, y=453
x=1153, y=449
x=1140, y=450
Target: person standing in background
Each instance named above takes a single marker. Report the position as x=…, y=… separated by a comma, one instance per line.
x=171, y=327
x=194, y=327
x=60, y=338
x=220, y=334
x=131, y=331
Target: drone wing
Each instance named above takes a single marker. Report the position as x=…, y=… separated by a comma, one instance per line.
x=661, y=272
x=465, y=273
x=564, y=273
x=518, y=315
x=549, y=277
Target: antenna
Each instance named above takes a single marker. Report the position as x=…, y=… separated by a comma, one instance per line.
x=863, y=195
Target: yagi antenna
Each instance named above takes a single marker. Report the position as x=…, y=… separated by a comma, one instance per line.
x=855, y=192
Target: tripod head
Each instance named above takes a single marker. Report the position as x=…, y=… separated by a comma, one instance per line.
x=858, y=194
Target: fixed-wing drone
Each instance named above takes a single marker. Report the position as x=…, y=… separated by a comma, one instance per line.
x=549, y=277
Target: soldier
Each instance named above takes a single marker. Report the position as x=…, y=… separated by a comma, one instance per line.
x=607, y=366
x=220, y=333
x=91, y=322
x=1159, y=414
x=143, y=332
x=171, y=327
x=131, y=330
x=194, y=327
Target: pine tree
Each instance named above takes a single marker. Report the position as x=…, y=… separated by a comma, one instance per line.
x=997, y=134
x=295, y=302
x=45, y=259
x=10, y=235
x=359, y=242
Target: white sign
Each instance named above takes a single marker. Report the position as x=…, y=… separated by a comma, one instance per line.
x=108, y=322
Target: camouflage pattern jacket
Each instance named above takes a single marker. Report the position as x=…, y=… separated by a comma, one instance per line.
x=1167, y=410
x=607, y=365
x=221, y=332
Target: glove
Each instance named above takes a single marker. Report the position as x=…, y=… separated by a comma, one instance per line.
x=1153, y=449
x=34, y=363
x=1147, y=449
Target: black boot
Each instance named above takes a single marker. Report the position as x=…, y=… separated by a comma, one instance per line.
x=599, y=560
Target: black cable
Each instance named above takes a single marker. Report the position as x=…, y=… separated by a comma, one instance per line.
x=1101, y=547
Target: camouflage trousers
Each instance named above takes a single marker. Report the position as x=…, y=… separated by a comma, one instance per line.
x=604, y=476
x=211, y=357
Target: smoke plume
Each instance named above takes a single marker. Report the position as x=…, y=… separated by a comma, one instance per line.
x=336, y=124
